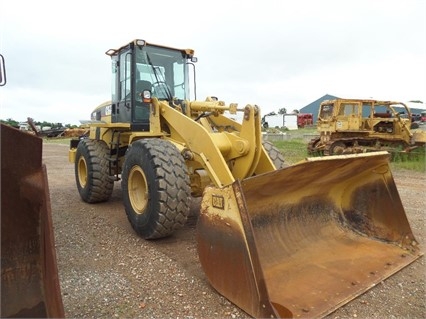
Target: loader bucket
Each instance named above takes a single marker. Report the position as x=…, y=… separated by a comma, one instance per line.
x=29, y=276
x=304, y=240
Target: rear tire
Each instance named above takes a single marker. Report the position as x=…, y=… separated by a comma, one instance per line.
x=274, y=154
x=91, y=171
x=156, y=188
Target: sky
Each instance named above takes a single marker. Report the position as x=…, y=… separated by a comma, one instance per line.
x=275, y=54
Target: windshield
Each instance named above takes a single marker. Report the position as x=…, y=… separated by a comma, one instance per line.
x=165, y=69
x=326, y=111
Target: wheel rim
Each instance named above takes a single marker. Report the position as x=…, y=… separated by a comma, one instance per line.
x=82, y=171
x=138, y=189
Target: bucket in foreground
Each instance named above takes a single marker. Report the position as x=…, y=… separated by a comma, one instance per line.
x=305, y=240
x=29, y=275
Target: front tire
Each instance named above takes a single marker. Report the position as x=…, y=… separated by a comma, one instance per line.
x=91, y=171
x=156, y=188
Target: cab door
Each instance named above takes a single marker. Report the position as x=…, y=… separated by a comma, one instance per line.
x=349, y=116
x=121, y=90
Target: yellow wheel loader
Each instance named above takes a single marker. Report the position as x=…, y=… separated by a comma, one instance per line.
x=276, y=240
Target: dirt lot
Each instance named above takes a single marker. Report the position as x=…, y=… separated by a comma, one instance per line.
x=107, y=271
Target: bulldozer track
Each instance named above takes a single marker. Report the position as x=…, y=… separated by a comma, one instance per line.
x=362, y=145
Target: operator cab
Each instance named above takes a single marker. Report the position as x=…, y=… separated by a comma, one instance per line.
x=142, y=72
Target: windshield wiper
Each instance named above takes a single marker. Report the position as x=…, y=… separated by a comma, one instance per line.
x=165, y=87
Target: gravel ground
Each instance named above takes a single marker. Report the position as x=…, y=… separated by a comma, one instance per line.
x=107, y=271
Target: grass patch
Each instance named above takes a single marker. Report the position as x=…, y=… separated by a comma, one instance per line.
x=414, y=160
x=295, y=150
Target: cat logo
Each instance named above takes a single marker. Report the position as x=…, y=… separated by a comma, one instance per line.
x=218, y=201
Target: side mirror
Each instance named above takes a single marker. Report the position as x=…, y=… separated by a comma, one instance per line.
x=2, y=71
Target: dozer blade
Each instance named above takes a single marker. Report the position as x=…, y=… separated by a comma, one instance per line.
x=304, y=240
x=29, y=276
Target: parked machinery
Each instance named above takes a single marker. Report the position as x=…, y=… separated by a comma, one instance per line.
x=348, y=126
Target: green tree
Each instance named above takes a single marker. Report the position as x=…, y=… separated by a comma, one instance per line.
x=10, y=122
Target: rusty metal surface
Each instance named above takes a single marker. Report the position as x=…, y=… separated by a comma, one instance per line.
x=305, y=240
x=29, y=277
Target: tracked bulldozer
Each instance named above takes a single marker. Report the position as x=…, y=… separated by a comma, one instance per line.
x=276, y=240
x=348, y=126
